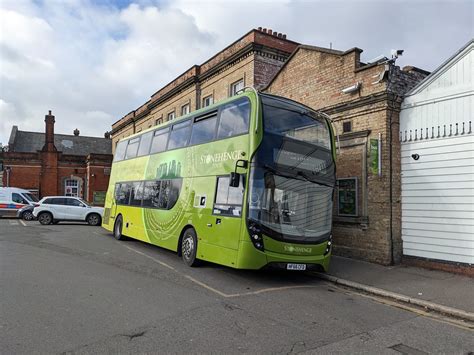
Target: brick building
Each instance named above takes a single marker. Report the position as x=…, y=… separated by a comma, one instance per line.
x=252, y=60
x=367, y=205
x=363, y=100
x=58, y=164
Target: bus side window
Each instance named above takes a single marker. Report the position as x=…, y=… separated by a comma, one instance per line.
x=179, y=135
x=234, y=118
x=175, y=189
x=120, y=151
x=136, y=194
x=144, y=147
x=159, y=141
x=204, y=129
x=164, y=194
x=132, y=148
x=151, y=194
x=123, y=196
x=228, y=199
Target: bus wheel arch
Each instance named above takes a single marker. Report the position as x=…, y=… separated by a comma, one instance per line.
x=187, y=246
x=118, y=227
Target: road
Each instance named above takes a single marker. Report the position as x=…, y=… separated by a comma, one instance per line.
x=71, y=288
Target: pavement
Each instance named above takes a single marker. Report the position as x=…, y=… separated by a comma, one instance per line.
x=444, y=292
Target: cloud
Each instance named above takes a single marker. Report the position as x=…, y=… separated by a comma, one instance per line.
x=90, y=62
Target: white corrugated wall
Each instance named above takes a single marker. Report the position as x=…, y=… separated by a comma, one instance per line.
x=438, y=189
x=438, y=199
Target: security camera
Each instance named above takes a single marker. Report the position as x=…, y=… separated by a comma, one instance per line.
x=415, y=156
x=396, y=53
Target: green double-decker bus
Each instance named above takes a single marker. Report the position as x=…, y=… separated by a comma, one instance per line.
x=246, y=183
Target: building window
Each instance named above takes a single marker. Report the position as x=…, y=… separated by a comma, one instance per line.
x=236, y=87
x=159, y=121
x=346, y=127
x=208, y=100
x=185, y=109
x=171, y=116
x=347, y=199
x=71, y=187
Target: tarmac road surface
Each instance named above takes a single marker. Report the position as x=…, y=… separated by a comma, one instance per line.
x=72, y=288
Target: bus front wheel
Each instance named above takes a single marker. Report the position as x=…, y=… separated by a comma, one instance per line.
x=118, y=228
x=189, y=248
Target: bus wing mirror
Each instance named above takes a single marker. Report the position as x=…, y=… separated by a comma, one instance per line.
x=234, y=179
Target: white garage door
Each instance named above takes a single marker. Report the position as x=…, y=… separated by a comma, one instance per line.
x=438, y=198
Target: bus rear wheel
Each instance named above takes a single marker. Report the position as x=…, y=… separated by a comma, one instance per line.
x=189, y=248
x=118, y=229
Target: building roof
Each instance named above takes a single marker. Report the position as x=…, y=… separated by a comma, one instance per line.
x=31, y=142
x=442, y=68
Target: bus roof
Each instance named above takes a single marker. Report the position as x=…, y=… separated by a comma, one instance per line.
x=248, y=93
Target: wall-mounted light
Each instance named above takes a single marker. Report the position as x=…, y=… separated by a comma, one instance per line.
x=352, y=88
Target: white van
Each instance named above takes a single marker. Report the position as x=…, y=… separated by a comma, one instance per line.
x=15, y=202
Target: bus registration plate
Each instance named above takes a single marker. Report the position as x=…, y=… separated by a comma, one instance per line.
x=300, y=267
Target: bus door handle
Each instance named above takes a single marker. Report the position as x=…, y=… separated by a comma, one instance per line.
x=209, y=224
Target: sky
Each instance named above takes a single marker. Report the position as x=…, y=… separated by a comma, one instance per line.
x=92, y=62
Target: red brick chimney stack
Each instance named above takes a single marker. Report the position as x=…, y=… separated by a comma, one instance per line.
x=49, y=134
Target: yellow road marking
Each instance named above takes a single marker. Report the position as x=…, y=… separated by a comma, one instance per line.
x=212, y=289
x=152, y=258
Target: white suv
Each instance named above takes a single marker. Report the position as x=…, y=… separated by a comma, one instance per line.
x=53, y=209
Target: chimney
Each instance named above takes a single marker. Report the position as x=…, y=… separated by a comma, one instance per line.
x=49, y=133
x=107, y=135
x=76, y=132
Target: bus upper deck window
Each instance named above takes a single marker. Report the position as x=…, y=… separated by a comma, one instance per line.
x=179, y=135
x=234, y=118
x=132, y=148
x=204, y=128
x=120, y=151
x=159, y=141
x=145, y=141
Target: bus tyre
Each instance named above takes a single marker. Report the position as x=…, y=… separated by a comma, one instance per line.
x=45, y=218
x=93, y=219
x=189, y=248
x=118, y=228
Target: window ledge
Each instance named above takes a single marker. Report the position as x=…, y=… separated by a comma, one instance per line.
x=363, y=221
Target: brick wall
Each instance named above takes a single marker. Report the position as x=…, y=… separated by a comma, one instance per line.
x=255, y=58
x=316, y=76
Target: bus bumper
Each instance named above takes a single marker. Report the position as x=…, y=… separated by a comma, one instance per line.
x=251, y=258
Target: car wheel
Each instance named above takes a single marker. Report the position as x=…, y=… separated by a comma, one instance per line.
x=28, y=216
x=189, y=248
x=93, y=219
x=45, y=218
x=118, y=229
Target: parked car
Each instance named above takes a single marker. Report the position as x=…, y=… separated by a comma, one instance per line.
x=53, y=209
x=15, y=202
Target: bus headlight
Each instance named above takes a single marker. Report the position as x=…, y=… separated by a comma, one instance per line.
x=329, y=245
x=256, y=236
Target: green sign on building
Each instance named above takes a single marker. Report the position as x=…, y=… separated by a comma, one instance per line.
x=374, y=156
x=98, y=198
